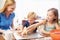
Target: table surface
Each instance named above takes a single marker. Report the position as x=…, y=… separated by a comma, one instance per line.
x=1, y=37
x=15, y=36
x=30, y=36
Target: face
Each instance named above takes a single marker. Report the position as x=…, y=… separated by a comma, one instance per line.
x=31, y=20
x=50, y=16
x=11, y=8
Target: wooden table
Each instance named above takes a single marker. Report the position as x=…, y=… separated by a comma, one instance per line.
x=1, y=37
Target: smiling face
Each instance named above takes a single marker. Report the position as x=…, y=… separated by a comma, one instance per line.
x=50, y=16
x=10, y=8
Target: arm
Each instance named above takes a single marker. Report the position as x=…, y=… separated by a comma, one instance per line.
x=45, y=32
x=1, y=22
x=12, y=26
x=34, y=26
x=13, y=15
x=2, y=31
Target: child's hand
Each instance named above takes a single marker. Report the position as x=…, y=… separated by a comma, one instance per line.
x=24, y=32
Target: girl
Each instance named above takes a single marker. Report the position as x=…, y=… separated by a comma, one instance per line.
x=50, y=23
x=7, y=16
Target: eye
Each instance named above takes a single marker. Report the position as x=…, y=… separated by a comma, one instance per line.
x=12, y=8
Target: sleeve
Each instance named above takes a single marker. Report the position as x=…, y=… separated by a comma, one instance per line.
x=0, y=20
x=25, y=24
x=2, y=23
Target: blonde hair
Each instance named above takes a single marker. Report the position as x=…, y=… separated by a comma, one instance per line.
x=7, y=3
x=32, y=15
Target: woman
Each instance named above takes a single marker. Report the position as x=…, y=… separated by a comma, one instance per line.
x=7, y=16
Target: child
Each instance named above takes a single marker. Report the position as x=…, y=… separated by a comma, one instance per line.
x=31, y=20
x=50, y=23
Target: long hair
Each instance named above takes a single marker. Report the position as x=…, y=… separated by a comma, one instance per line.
x=55, y=11
x=8, y=3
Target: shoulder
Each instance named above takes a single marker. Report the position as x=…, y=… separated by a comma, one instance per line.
x=0, y=13
x=12, y=15
x=56, y=24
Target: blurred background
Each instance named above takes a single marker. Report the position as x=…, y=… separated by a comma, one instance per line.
x=23, y=7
